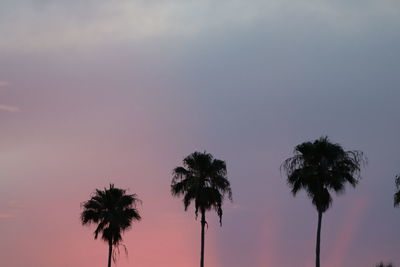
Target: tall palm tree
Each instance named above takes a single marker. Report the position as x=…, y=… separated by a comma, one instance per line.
x=321, y=167
x=397, y=194
x=113, y=211
x=202, y=179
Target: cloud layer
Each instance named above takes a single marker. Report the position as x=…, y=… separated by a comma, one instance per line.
x=44, y=24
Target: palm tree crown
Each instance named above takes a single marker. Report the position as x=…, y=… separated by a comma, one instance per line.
x=202, y=179
x=113, y=211
x=320, y=167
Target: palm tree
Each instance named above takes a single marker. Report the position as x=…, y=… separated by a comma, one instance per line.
x=202, y=179
x=321, y=167
x=384, y=265
x=113, y=211
x=397, y=194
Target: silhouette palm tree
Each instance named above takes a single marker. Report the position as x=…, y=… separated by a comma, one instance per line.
x=397, y=194
x=384, y=265
x=202, y=179
x=113, y=211
x=320, y=167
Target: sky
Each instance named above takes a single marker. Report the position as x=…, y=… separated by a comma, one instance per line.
x=120, y=91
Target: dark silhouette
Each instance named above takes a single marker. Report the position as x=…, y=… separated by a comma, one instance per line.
x=384, y=265
x=113, y=211
x=320, y=167
x=397, y=194
x=202, y=179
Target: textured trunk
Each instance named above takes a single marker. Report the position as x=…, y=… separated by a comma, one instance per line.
x=317, y=250
x=109, y=253
x=203, y=223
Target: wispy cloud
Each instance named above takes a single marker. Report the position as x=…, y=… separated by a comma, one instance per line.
x=6, y=215
x=4, y=83
x=9, y=108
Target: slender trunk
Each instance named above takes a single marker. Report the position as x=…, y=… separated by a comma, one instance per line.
x=203, y=223
x=109, y=253
x=317, y=250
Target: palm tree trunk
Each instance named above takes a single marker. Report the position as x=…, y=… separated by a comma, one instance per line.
x=317, y=250
x=203, y=223
x=109, y=253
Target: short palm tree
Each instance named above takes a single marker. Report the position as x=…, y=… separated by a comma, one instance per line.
x=203, y=180
x=321, y=167
x=397, y=194
x=113, y=211
x=384, y=265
